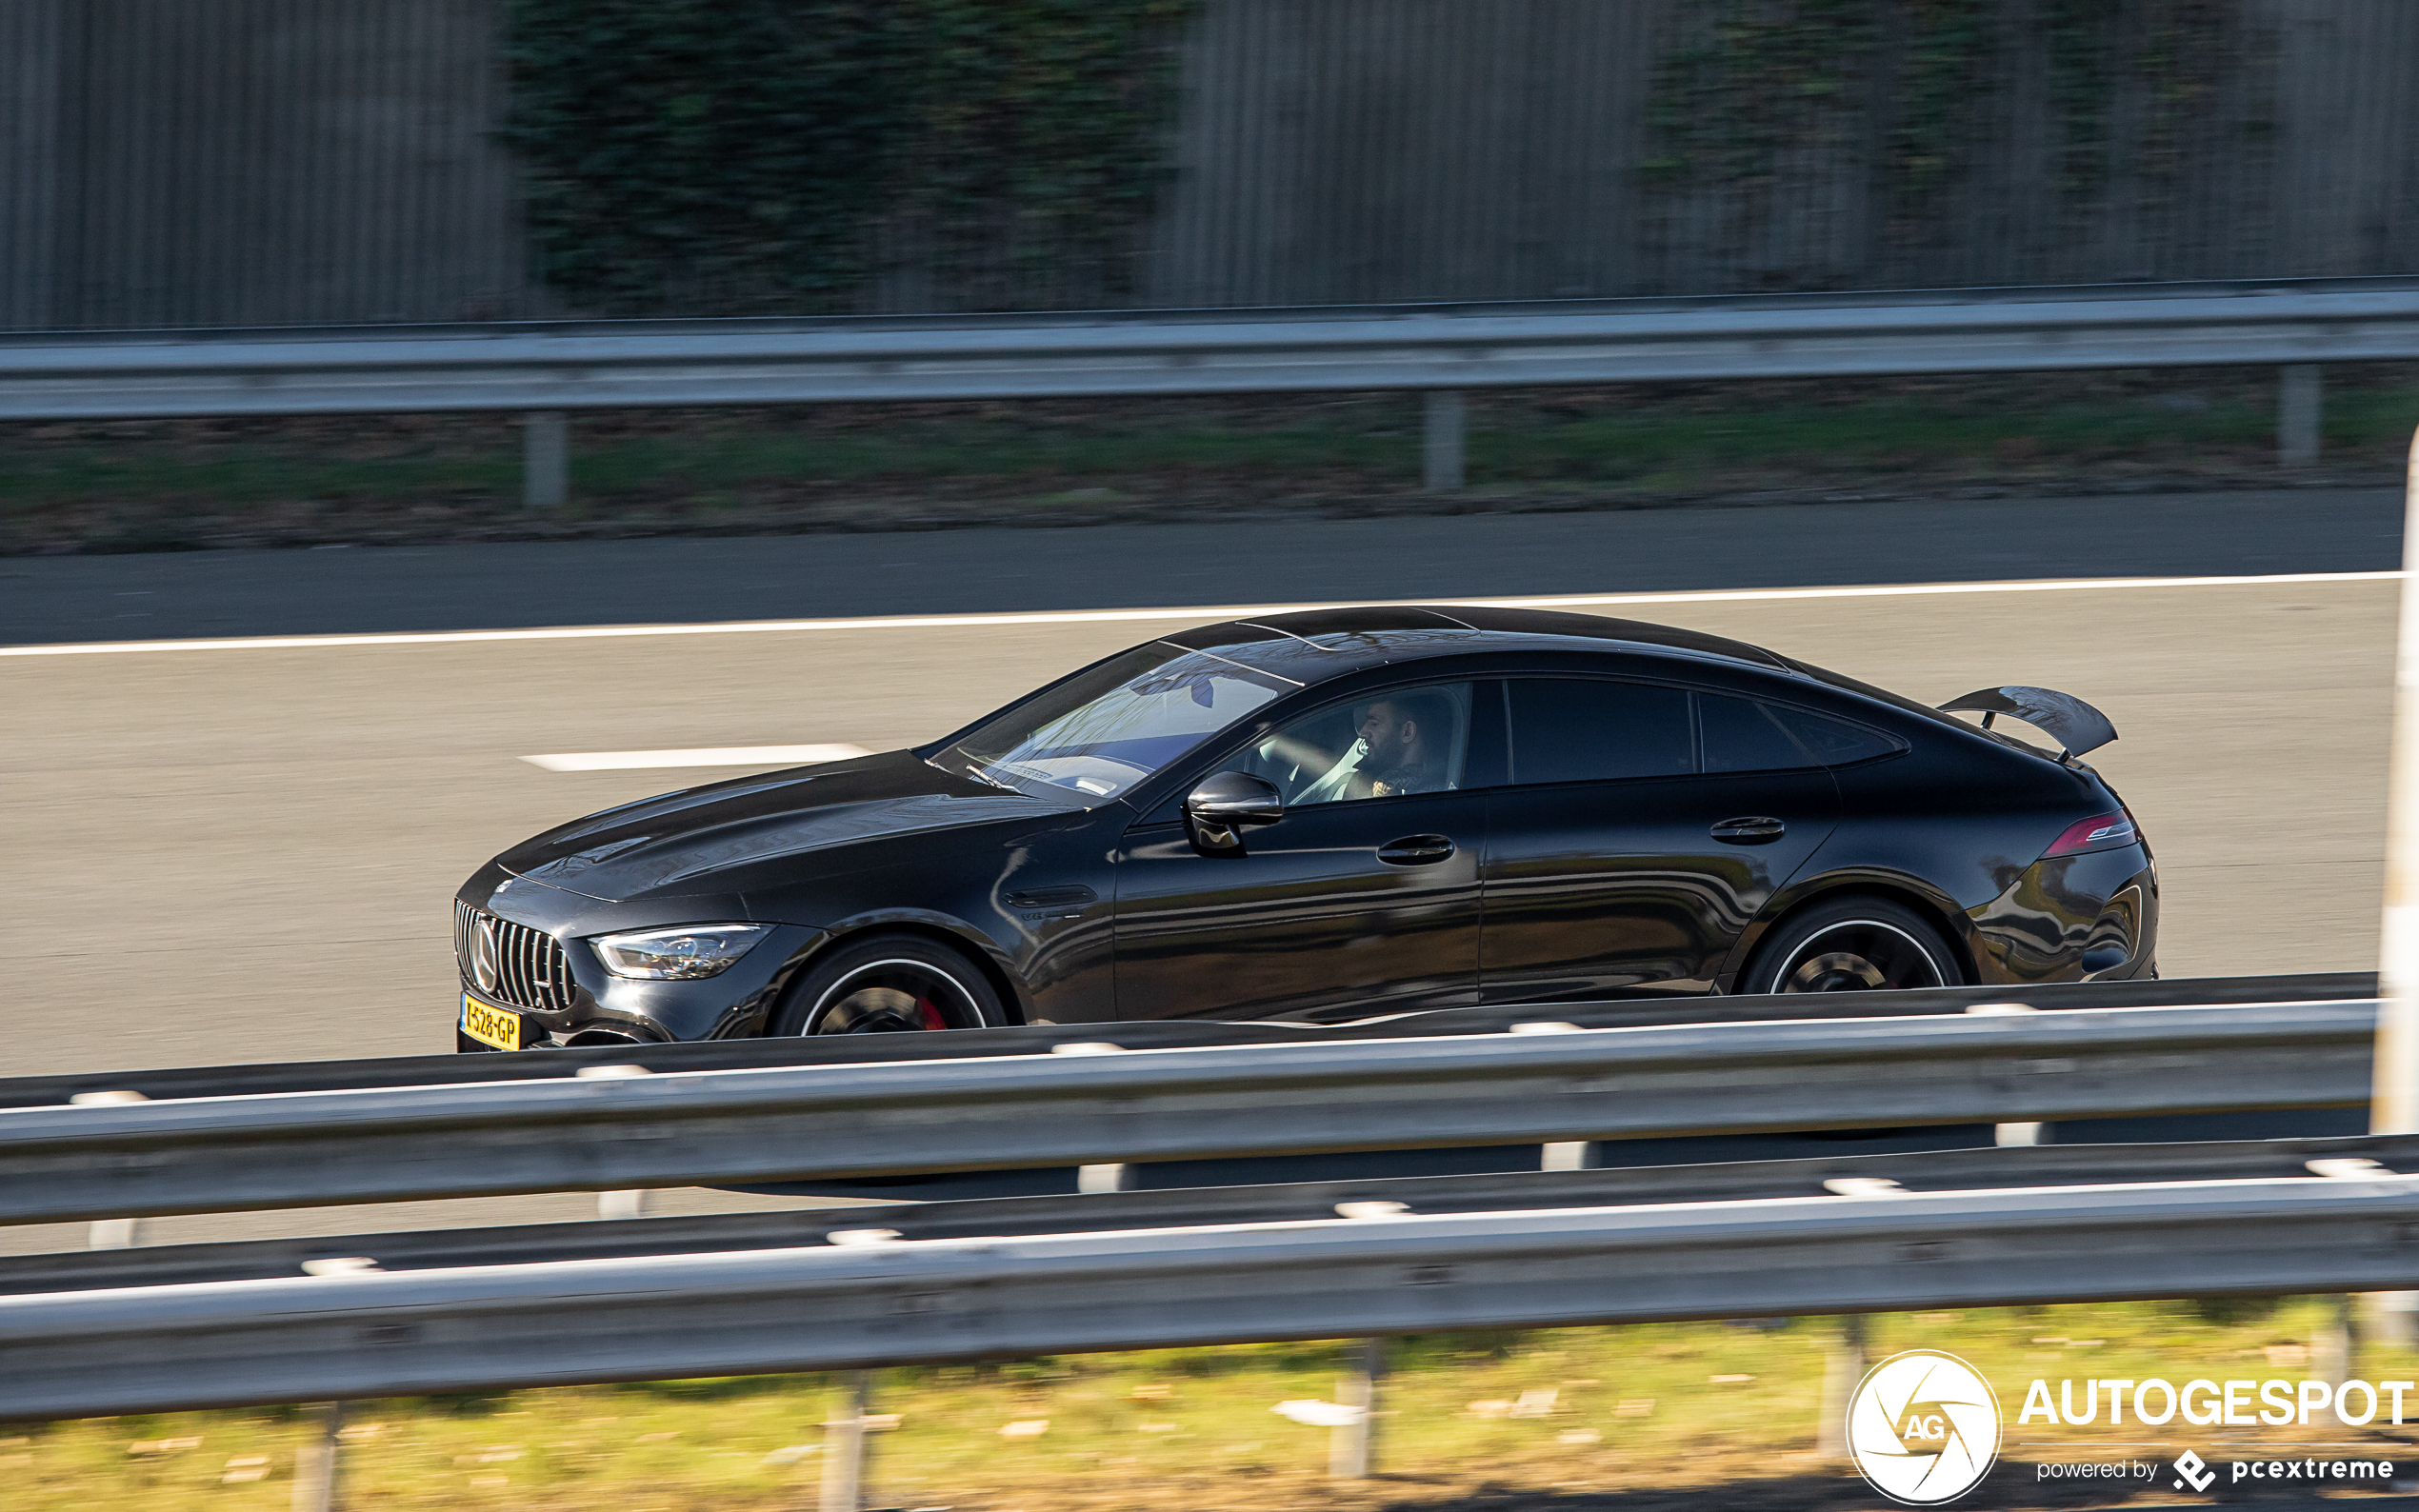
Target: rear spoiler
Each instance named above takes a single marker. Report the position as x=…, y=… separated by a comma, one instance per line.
x=2070, y=721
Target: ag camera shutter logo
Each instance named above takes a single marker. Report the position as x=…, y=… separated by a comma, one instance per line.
x=1923, y=1428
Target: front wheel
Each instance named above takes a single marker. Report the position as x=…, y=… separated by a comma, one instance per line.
x=890, y=984
x=1856, y=945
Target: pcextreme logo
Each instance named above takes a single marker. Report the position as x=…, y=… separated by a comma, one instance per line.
x=1923, y=1428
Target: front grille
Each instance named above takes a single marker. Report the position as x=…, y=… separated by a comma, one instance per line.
x=527, y=968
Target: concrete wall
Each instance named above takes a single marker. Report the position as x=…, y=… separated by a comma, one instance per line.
x=32, y=39
x=1383, y=149
x=239, y=162
x=262, y=162
x=1348, y=150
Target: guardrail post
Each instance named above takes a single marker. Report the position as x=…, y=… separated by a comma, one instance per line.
x=2299, y=403
x=843, y=1447
x=546, y=459
x=1843, y=1367
x=316, y=1462
x=2009, y=1134
x=2334, y=1350
x=111, y=1233
x=1352, y=1446
x=1441, y=440
x=2393, y=1107
x=114, y=1233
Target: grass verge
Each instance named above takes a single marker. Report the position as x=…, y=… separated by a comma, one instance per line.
x=1659, y=1416
x=169, y=485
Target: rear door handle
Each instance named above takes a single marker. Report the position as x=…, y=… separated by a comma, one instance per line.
x=1064, y=895
x=1751, y=830
x=1415, y=850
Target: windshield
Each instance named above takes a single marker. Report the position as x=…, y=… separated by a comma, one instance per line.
x=1100, y=734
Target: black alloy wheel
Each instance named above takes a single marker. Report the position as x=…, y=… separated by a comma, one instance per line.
x=890, y=984
x=1858, y=945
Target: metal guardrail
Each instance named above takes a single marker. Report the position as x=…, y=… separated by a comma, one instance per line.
x=890, y=1301
x=1986, y=1167
x=216, y=1154
x=581, y=365
x=734, y=1055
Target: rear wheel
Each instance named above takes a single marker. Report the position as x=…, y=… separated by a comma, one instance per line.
x=890, y=984
x=1856, y=945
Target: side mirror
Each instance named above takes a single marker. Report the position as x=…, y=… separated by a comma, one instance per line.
x=1223, y=806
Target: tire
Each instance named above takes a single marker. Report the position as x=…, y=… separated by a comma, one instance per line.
x=1855, y=944
x=889, y=983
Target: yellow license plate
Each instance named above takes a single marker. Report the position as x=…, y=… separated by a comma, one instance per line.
x=490, y=1025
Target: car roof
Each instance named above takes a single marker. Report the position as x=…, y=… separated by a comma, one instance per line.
x=1311, y=646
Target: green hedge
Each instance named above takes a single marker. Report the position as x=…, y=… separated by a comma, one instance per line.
x=1746, y=82
x=732, y=156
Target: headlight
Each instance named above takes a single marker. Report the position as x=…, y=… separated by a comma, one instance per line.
x=679, y=955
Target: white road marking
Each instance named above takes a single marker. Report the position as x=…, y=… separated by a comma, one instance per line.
x=1203, y=615
x=620, y=761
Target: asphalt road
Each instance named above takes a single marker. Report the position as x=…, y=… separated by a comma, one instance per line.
x=1261, y=559
x=247, y=854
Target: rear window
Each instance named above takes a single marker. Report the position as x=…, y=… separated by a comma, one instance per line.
x=1834, y=742
x=1882, y=695
x=1576, y=731
x=1743, y=737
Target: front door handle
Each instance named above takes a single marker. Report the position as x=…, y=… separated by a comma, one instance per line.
x=1415, y=850
x=1751, y=830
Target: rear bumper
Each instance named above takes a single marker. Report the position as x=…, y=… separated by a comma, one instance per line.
x=2090, y=917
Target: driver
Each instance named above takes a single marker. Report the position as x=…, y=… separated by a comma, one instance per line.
x=1408, y=736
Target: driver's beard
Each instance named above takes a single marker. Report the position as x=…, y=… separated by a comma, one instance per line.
x=1395, y=758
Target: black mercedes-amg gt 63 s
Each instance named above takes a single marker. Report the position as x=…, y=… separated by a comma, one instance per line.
x=1335, y=815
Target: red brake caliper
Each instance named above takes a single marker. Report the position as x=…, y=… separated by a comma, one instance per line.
x=932, y=1019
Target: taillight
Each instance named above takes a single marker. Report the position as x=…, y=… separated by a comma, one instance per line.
x=2099, y=832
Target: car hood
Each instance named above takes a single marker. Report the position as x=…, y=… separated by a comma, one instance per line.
x=675, y=841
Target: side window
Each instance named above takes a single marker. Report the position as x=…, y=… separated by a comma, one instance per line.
x=1572, y=729
x=1741, y=737
x=1390, y=745
x=1834, y=742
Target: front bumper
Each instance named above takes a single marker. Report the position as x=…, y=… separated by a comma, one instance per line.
x=593, y=1007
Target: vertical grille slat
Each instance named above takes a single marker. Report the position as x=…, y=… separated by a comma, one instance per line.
x=525, y=961
x=530, y=970
x=516, y=965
